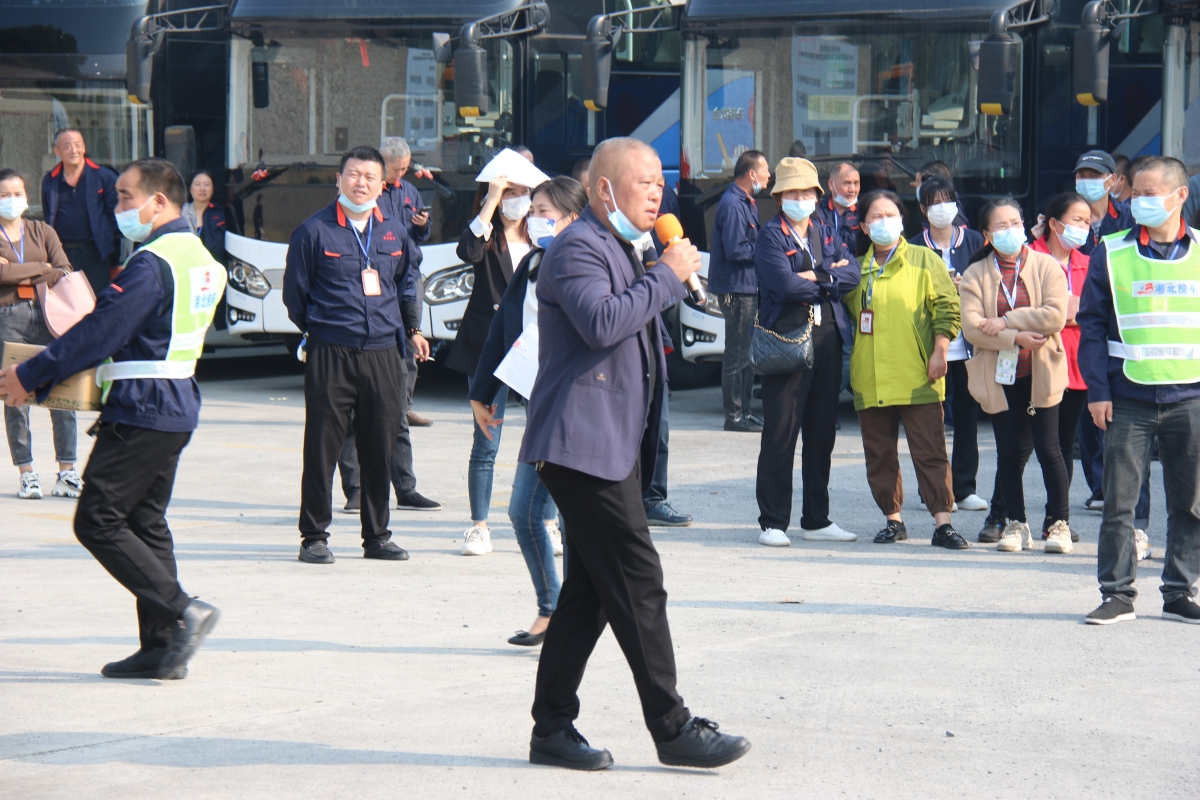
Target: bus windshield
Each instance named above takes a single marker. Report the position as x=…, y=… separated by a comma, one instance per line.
x=887, y=97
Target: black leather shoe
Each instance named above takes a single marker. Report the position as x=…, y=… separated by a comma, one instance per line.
x=353, y=503
x=742, y=425
x=566, y=748
x=142, y=664
x=417, y=502
x=527, y=639
x=892, y=533
x=385, y=551
x=993, y=529
x=701, y=745
x=197, y=620
x=945, y=536
x=315, y=553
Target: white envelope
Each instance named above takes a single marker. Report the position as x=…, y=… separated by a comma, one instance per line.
x=519, y=368
x=516, y=166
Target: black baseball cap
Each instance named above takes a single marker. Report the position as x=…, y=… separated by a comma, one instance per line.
x=1097, y=160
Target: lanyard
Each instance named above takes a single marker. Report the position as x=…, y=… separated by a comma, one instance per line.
x=871, y=275
x=21, y=253
x=1171, y=257
x=1011, y=297
x=1070, y=278
x=364, y=248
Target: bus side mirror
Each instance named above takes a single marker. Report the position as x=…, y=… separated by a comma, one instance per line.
x=597, y=63
x=1090, y=54
x=443, y=53
x=260, y=77
x=470, y=75
x=139, y=62
x=999, y=58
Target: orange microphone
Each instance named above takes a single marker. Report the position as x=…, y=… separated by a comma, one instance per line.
x=669, y=232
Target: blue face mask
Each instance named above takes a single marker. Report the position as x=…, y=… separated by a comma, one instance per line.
x=1092, y=189
x=130, y=223
x=1150, y=211
x=1009, y=241
x=623, y=227
x=797, y=210
x=355, y=207
x=1073, y=237
x=885, y=231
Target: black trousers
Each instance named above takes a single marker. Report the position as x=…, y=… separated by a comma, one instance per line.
x=964, y=461
x=613, y=576
x=800, y=402
x=85, y=258
x=121, y=520
x=1010, y=467
x=1069, y=411
x=337, y=382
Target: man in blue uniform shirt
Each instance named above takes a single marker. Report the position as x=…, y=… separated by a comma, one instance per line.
x=146, y=422
x=838, y=211
x=346, y=286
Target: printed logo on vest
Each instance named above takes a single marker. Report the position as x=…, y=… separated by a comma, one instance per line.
x=1166, y=289
x=203, y=290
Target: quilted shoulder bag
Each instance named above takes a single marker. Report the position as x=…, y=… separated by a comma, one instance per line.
x=774, y=353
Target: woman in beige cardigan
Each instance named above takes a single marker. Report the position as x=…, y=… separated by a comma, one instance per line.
x=1014, y=304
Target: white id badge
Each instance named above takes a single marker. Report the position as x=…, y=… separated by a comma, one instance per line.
x=1006, y=366
x=866, y=321
x=370, y=281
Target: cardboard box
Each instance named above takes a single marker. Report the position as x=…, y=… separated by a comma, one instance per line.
x=77, y=393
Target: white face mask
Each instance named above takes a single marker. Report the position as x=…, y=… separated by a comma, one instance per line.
x=13, y=207
x=941, y=215
x=541, y=230
x=515, y=208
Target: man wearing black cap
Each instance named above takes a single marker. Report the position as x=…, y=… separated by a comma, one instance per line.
x=1095, y=178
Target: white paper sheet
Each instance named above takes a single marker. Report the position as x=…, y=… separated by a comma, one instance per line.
x=519, y=368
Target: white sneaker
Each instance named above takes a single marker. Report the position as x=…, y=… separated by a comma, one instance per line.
x=31, y=487
x=773, y=537
x=1142, y=542
x=69, y=484
x=477, y=541
x=953, y=506
x=555, y=536
x=830, y=533
x=973, y=502
x=1059, y=540
x=1016, y=537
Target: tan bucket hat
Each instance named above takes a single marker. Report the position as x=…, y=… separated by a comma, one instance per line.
x=796, y=173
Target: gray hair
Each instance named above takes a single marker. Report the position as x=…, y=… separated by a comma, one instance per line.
x=394, y=147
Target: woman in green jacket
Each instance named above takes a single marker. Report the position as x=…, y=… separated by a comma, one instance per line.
x=906, y=310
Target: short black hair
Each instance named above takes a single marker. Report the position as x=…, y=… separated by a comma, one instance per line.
x=362, y=153
x=565, y=194
x=1060, y=204
x=746, y=162
x=1173, y=170
x=581, y=166
x=159, y=175
x=935, y=169
x=863, y=206
x=1122, y=161
x=935, y=189
x=798, y=150
x=9, y=173
x=985, y=219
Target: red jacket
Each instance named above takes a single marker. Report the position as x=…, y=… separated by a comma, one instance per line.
x=1076, y=277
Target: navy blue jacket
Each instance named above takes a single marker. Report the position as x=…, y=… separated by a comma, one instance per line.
x=1118, y=218
x=843, y=223
x=777, y=260
x=322, y=285
x=964, y=244
x=100, y=186
x=211, y=231
x=131, y=322
x=404, y=201
x=1104, y=374
x=593, y=407
x=735, y=232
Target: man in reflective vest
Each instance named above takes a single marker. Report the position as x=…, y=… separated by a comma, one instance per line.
x=1139, y=352
x=151, y=323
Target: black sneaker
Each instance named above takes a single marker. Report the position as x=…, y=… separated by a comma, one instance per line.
x=417, y=502
x=894, y=532
x=385, y=551
x=700, y=744
x=196, y=622
x=743, y=425
x=1182, y=610
x=1112, y=609
x=664, y=515
x=566, y=748
x=353, y=503
x=142, y=664
x=993, y=529
x=1095, y=502
x=315, y=553
x=945, y=536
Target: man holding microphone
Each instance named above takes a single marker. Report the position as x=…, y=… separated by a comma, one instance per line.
x=592, y=431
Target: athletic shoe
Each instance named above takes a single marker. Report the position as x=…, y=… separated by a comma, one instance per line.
x=830, y=533
x=893, y=532
x=69, y=484
x=1059, y=540
x=477, y=541
x=31, y=487
x=1095, y=502
x=353, y=503
x=664, y=515
x=1142, y=542
x=555, y=536
x=1112, y=609
x=945, y=536
x=417, y=502
x=1016, y=538
x=1182, y=610
x=993, y=529
x=1047, y=522
x=757, y=420
x=973, y=502
x=773, y=537
x=743, y=425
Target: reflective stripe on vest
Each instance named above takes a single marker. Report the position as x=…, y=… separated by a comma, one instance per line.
x=199, y=286
x=1157, y=305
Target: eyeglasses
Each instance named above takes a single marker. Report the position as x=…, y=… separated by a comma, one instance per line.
x=1003, y=226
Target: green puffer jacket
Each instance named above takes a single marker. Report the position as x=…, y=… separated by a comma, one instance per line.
x=913, y=300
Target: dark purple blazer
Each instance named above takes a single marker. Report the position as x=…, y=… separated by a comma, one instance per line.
x=592, y=401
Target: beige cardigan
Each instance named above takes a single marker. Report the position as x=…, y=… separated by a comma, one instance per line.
x=1046, y=314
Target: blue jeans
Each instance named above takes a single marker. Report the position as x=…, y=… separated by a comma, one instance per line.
x=657, y=492
x=1127, y=461
x=530, y=507
x=1091, y=454
x=483, y=461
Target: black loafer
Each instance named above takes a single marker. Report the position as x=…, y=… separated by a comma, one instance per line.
x=892, y=533
x=700, y=744
x=527, y=639
x=742, y=425
x=315, y=553
x=945, y=536
x=142, y=664
x=198, y=619
x=993, y=529
x=385, y=551
x=566, y=748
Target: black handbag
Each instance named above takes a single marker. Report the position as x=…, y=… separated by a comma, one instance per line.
x=773, y=353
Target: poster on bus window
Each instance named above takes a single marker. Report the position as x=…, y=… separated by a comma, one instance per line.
x=824, y=88
x=729, y=128
x=420, y=115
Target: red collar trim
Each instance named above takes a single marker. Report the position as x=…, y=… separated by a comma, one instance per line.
x=91, y=163
x=57, y=169
x=1112, y=209
x=1144, y=233
x=341, y=215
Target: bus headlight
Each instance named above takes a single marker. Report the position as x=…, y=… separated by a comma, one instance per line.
x=449, y=285
x=248, y=279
